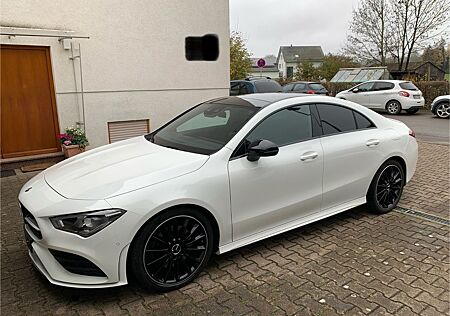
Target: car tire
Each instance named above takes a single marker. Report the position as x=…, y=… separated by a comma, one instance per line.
x=393, y=107
x=171, y=250
x=443, y=110
x=386, y=187
x=412, y=111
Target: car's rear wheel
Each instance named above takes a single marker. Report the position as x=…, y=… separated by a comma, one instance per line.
x=386, y=187
x=171, y=250
x=393, y=107
x=443, y=110
x=412, y=111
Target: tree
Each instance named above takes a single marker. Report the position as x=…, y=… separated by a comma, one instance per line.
x=436, y=54
x=332, y=63
x=395, y=28
x=369, y=38
x=240, y=63
x=422, y=22
x=306, y=72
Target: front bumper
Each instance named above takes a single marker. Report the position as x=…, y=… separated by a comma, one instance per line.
x=107, y=249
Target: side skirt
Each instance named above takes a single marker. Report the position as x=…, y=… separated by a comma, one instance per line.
x=291, y=225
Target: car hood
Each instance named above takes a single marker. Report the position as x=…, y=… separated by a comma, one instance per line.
x=119, y=168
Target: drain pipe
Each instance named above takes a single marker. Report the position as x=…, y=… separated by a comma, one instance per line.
x=83, y=118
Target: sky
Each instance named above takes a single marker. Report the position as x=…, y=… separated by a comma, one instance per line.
x=268, y=24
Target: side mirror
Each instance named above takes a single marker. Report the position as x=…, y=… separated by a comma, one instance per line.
x=261, y=148
x=356, y=90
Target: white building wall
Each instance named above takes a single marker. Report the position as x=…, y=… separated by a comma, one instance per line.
x=134, y=64
x=271, y=74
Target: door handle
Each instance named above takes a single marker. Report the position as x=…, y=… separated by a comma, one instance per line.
x=372, y=142
x=309, y=156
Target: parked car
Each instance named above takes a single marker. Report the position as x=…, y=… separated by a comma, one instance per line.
x=224, y=174
x=441, y=106
x=254, y=85
x=305, y=87
x=392, y=95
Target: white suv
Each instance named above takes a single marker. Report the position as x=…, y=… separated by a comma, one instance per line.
x=392, y=95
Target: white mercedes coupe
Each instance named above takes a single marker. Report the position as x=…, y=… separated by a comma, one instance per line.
x=224, y=174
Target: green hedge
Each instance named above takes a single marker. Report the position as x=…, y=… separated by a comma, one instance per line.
x=430, y=89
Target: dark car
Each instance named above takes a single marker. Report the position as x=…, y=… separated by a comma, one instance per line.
x=254, y=85
x=305, y=87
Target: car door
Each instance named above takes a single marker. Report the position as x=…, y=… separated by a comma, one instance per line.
x=381, y=94
x=361, y=94
x=276, y=190
x=353, y=151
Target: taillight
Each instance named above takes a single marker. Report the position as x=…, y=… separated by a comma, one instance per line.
x=311, y=92
x=411, y=133
x=404, y=94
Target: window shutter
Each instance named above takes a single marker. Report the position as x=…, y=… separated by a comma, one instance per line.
x=122, y=130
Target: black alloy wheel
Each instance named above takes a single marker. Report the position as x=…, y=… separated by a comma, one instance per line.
x=386, y=187
x=171, y=250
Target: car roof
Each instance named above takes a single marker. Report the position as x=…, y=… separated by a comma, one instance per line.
x=264, y=99
x=258, y=100
x=387, y=80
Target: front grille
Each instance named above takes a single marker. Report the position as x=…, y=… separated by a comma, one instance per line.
x=416, y=96
x=30, y=222
x=76, y=264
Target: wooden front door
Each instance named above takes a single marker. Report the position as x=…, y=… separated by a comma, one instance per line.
x=29, y=122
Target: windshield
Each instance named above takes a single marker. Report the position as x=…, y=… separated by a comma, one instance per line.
x=205, y=128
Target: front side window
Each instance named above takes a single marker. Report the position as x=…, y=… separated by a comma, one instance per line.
x=288, y=87
x=206, y=128
x=335, y=119
x=365, y=87
x=284, y=127
x=299, y=87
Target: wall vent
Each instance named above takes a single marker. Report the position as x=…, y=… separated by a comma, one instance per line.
x=122, y=130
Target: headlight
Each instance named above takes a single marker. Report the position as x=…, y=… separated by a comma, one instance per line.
x=88, y=223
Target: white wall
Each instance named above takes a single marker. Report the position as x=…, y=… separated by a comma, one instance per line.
x=271, y=74
x=134, y=64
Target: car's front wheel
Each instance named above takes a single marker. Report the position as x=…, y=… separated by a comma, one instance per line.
x=393, y=107
x=443, y=110
x=386, y=187
x=171, y=250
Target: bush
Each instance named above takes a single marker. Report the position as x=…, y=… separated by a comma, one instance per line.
x=430, y=89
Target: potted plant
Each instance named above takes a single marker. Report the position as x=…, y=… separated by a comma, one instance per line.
x=73, y=141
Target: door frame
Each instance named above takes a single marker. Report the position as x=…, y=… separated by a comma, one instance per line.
x=46, y=49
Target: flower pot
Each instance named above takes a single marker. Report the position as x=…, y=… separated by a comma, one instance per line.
x=71, y=150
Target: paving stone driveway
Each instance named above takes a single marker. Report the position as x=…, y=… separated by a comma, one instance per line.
x=353, y=263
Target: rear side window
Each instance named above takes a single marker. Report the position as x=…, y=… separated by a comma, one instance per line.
x=335, y=119
x=285, y=127
x=268, y=86
x=379, y=86
x=362, y=121
x=408, y=86
x=234, y=88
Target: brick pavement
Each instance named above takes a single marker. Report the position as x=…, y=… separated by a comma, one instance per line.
x=354, y=263
x=429, y=190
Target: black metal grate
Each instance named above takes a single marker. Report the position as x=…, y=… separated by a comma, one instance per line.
x=30, y=222
x=430, y=217
x=76, y=264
